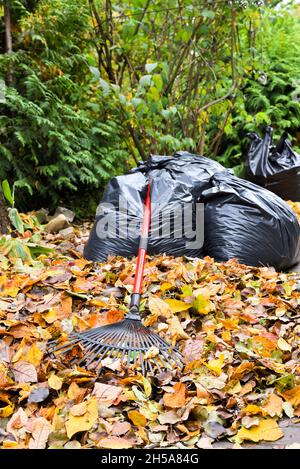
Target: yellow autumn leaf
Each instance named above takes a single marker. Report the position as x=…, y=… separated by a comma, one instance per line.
x=202, y=305
x=216, y=365
x=147, y=386
x=20, y=352
x=177, y=305
x=55, y=382
x=234, y=388
x=84, y=422
x=5, y=380
x=176, y=329
x=8, y=287
x=166, y=286
x=33, y=355
x=50, y=316
x=8, y=444
x=74, y=391
x=137, y=419
x=98, y=302
x=159, y=307
x=283, y=345
x=267, y=430
x=252, y=409
x=6, y=411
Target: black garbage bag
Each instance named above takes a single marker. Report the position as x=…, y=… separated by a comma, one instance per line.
x=250, y=223
x=276, y=168
x=177, y=226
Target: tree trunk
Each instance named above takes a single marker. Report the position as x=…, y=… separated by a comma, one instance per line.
x=8, y=37
x=4, y=220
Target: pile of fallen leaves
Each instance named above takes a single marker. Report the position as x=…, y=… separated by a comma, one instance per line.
x=237, y=326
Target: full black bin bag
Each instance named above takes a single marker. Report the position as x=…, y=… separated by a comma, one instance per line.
x=276, y=168
x=177, y=182
x=250, y=223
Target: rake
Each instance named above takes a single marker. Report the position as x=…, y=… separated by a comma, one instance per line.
x=128, y=340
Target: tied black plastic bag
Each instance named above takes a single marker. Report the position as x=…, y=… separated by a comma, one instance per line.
x=177, y=226
x=249, y=223
x=276, y=168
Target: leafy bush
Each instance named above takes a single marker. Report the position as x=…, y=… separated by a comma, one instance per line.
x=52, y=140
x=96, y=85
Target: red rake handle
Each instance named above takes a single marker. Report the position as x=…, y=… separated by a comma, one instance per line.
x=138, y=281
x=139, y=269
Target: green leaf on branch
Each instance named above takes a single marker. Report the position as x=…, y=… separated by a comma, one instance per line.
x=7, y=192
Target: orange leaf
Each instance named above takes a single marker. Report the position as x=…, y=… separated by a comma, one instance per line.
x=137, y=419
x=292, y=396
x=66, y=305
x=176, y=399
x=273, y=406
x=114, y=315
x=242, y=369
x=264, y=346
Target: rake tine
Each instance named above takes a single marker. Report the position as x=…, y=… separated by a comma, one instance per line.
x=97, y=352
x=123, y=355
x=129, y=352
x=62, y=352
x=160, y=353
x=100, y=358
x=141, y=339
x=94, y=350
x=169, y=357
x=111, y=350
x=150, y=365
x=122, y=337
x=75, y=339
x=123, y=347
x=86, y=360
x=157, y=364
x=67, y=343
x=103, y=335
x=136, y=341
x=179, y=363
x=142, y=363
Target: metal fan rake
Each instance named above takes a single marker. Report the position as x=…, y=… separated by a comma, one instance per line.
x=128, y=340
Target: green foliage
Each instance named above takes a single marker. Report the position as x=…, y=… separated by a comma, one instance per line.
x=270, y=92
x=51, y=140
x=7, y=192
x=194, y=77
x=95, y=85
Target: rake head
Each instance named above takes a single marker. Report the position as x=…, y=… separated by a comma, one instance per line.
x=128, y=340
